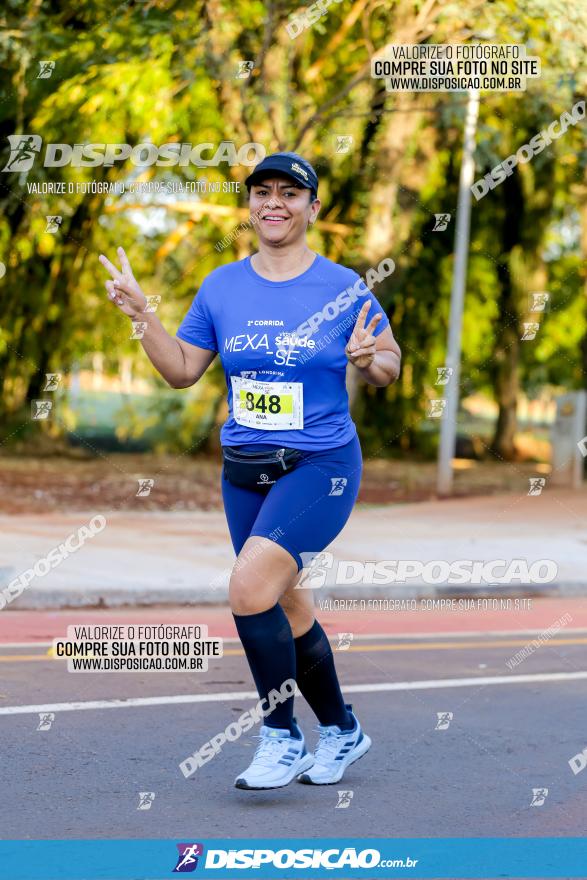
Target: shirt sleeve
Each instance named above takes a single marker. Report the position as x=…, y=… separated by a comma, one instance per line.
x=198, y=325
x=365, y=294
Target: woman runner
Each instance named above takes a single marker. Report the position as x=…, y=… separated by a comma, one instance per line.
x=284, y=322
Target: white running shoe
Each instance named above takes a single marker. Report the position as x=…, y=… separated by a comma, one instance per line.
x=336, y=750
x=278, y=759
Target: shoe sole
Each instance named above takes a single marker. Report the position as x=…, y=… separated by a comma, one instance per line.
x=357, y=754
x=304, y=764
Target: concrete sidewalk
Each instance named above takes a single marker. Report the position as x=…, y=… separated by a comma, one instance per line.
x=153, y=558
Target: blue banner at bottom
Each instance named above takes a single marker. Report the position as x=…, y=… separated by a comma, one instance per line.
x=286, y=858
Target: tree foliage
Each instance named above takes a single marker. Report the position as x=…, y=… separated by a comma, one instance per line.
x=168, y=71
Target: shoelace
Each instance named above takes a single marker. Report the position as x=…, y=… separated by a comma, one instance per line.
x=265, y=752
x=328, y=745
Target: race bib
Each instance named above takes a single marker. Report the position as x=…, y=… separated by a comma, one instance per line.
x=267, y=406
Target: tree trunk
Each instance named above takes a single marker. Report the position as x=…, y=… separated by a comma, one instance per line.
x=506, y=395
x=390, y=148
x=583, y=219
x=507, y=350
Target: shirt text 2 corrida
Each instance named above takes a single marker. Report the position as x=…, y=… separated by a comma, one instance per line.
x=282, y=344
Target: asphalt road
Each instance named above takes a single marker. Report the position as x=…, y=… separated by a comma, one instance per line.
x=81, y=778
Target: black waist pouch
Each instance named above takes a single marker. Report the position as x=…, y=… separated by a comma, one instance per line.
x=257, y=470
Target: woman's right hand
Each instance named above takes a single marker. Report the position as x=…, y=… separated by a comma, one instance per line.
x=124, y=290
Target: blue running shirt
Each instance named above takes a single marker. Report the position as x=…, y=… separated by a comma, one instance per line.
x=282, y=344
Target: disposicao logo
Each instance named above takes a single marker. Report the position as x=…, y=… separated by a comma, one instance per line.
x=187, y=860
x=24, y=148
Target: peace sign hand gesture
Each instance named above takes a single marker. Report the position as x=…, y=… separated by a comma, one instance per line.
x=361, y=347
x=124, y=290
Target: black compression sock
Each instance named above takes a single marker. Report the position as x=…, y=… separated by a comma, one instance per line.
x=269, y=646
x=317, y=679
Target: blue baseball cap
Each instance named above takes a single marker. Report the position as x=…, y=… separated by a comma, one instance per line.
x=294, y=166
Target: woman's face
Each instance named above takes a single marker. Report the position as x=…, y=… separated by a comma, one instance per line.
x=281, y=210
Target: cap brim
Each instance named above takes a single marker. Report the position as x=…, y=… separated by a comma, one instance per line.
x=257, y=176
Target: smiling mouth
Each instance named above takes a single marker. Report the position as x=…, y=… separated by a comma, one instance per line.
x=274, y=219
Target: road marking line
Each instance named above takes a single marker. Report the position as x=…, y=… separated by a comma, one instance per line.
x=429, y=646
x=432, y=646
x=433, y=684
x=17, y=658
x=444, y=634
x=358, y=649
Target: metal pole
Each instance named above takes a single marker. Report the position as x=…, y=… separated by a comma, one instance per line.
x=448, y=422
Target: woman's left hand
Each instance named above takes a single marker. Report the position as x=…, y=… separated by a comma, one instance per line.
x=360, y=349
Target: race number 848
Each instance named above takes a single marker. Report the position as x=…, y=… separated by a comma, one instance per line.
x=268, y=406
x=273, y=403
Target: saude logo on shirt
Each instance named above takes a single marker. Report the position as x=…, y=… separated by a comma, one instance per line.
x=284, y=346
x=290, y=339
